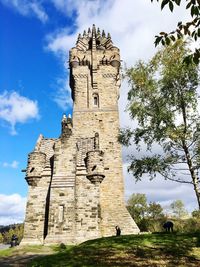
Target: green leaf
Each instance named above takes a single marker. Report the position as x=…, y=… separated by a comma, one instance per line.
x=189, y=4
x=164, y=3
x=192, y=11
x=196, y=11
x=157, y=40
x=179, y=23
x=173, y=38
x=163, y=42
x=171, y=6
x=187, y=60
x=196, y=59
x=178, y=2
x=167, y=40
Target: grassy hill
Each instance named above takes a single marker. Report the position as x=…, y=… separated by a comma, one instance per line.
x=135, y=250
x=150, y=250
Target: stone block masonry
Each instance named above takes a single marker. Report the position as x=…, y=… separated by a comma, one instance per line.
x=76, y=188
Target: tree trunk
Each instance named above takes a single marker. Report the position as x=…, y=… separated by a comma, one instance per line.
x=187, y=152
x=192, y=173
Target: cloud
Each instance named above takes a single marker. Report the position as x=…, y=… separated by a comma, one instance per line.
x=15, y=108
x=60, y=42
x=63, y=94
x=68, y=7
x=160, y=190
x=12, y=209
x=133, y=26
x=27, y=8
x=13, y=165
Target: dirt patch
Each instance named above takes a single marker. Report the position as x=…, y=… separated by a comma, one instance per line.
x=18, y=261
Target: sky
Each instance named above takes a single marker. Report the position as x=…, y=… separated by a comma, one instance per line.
x=35, y=38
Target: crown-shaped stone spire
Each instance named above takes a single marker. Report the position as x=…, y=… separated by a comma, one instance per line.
x=94, y=39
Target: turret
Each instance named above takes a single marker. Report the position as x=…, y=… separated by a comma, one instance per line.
x=95, y=163
x=93, y=51
x=36, y=165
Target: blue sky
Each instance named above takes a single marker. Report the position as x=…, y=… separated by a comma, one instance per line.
x=30, y=72
x=35, y=38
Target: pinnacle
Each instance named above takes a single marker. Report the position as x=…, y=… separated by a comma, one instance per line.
x=99, y=38
x=96, y=32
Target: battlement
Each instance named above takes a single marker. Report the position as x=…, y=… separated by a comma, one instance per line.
x=97, y=42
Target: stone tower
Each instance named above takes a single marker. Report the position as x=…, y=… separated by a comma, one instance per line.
x=76, y=189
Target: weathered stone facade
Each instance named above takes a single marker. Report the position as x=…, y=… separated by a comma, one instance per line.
x=76, y=189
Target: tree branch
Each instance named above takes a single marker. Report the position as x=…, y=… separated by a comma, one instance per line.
x=176, y=180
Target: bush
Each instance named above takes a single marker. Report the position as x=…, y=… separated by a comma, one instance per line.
x=62, y=246
x=180, y=225
x=8, y=231
x=151, y=225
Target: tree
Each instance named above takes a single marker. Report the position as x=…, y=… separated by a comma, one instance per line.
x=178, y=209
x=163, y=100
x=10, y=230
x=189, y=29
x=1, y=238
x=155, y=210
x=149, y=217
x=137, y=206
x=196, y=214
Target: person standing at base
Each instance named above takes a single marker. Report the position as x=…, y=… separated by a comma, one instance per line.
x=118, y=230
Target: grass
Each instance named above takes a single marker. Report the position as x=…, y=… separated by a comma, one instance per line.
x=134, y=250
x=26, y=250
x=150, y=250
x=5, y=252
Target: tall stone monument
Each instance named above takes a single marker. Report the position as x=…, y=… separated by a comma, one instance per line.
x=76, y=188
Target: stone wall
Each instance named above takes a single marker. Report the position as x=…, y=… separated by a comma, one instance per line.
x=76, y=187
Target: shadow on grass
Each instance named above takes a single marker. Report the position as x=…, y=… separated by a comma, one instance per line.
x=133, y=250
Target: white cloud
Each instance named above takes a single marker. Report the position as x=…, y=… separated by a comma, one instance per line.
x=160, y=190
x=27, y=8
x=15, y=108
x=12, y=209
x=60, y=42
x=13, y=165
x=63, y=94
x=133, y=26
x=67, y=7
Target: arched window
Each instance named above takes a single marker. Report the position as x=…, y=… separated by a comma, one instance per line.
x=95, y=100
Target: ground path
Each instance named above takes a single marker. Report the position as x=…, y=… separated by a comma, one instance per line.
x=17, y=261
x=20, y=257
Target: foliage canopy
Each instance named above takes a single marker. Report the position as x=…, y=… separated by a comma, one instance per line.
x=189, y=29
x=163, y=100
